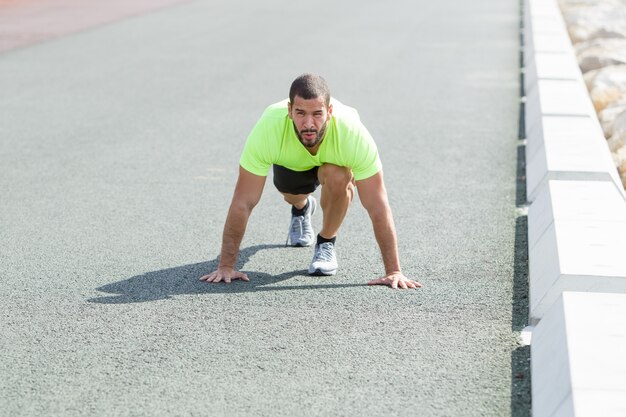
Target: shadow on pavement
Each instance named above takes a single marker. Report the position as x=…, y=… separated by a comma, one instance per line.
x=181, y=280
x=520, y=357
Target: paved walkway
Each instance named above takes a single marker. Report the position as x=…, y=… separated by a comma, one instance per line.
x=26, y=22
x=118, y=156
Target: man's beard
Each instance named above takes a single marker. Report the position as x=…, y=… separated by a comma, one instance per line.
x=318, y=138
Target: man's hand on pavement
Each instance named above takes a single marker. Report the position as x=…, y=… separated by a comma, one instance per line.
x=395, y=280
x=225, y=274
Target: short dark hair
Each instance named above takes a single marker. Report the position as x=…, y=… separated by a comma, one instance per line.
x=309, y=86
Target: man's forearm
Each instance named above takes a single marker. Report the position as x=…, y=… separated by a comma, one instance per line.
x=234, y=229
x=385, y=233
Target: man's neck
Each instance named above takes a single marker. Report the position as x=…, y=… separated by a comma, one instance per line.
x=313, y=150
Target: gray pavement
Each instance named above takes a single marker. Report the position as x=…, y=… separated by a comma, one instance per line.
x=119, y=150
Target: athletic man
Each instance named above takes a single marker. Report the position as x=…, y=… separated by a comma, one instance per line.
x=312, y=140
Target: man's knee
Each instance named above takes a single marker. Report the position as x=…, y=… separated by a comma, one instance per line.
x=336, y=178
x=295, y=199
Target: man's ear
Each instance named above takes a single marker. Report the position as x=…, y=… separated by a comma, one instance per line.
x=330, y=110
x=289, y=110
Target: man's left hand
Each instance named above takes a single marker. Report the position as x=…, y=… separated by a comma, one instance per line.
x=395, y=280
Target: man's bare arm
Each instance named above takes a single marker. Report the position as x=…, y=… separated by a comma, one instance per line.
x=246, y=196
x=373, y=196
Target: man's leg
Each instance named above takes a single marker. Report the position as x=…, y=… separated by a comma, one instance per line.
x=296, y=188
x=301, y=228
x=337, y=194
x=296, y=200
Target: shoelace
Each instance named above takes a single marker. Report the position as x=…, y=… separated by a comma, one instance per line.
x=295, y=227
x=324, y=252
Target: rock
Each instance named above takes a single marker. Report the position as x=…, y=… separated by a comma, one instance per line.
x=620, y=161
x=588, y=20
x=586, y=33
x=607, y=86
x=597, y=29
x=619, y=124
x=602, y=97
x=599, y=53
x=610, y=76
x=607, y=116
x=617, y=141
x=589, y=76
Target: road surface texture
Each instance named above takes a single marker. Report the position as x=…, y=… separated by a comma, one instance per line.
x=119, y=154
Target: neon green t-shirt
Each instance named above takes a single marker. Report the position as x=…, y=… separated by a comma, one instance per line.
x=346, y=143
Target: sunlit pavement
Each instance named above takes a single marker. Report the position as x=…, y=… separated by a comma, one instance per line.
x=120, y=141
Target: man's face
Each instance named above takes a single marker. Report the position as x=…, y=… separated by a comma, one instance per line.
x=310, y=118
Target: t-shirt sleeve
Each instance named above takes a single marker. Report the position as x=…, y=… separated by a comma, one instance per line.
x=255, y=157
x=366, y=161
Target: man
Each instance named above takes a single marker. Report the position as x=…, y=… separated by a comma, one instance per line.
x=312, y=140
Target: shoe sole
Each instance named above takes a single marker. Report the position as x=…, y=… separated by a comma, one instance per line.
x=319, y=273
x=301, y=245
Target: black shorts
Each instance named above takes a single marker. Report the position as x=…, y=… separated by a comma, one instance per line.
x=295, y=182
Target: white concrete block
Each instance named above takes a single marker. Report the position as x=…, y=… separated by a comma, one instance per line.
x=566, y=409
x=551, y=66
x=549, y=41
x=541, y=17
x=591, y=402
x=550, y=371
x=576, y=256
x=561, y=127
x=542, y=7
x=556, y=98
x=567, y=148
x=577, y=357
x=574, y=201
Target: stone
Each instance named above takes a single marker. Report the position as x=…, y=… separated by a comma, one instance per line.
x=594, y=19
x=607, y=116
x=602, y=97
x=610, y=76
x=589, y=76
x=599, y=53
x=620, y=159
x=619, y=124
x=616, y=142
x=607, y=86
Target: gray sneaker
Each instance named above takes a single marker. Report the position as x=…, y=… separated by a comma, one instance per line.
x=301, y=230
x=324, y=260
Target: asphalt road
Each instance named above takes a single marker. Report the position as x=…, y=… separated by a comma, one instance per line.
x=118, y=156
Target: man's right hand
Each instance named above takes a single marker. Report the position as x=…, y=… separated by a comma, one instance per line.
x=225, y=274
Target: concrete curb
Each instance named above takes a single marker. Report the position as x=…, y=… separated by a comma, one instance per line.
x=576, y=239
x=576, y=224
x=564, y=137
x=577, y=357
